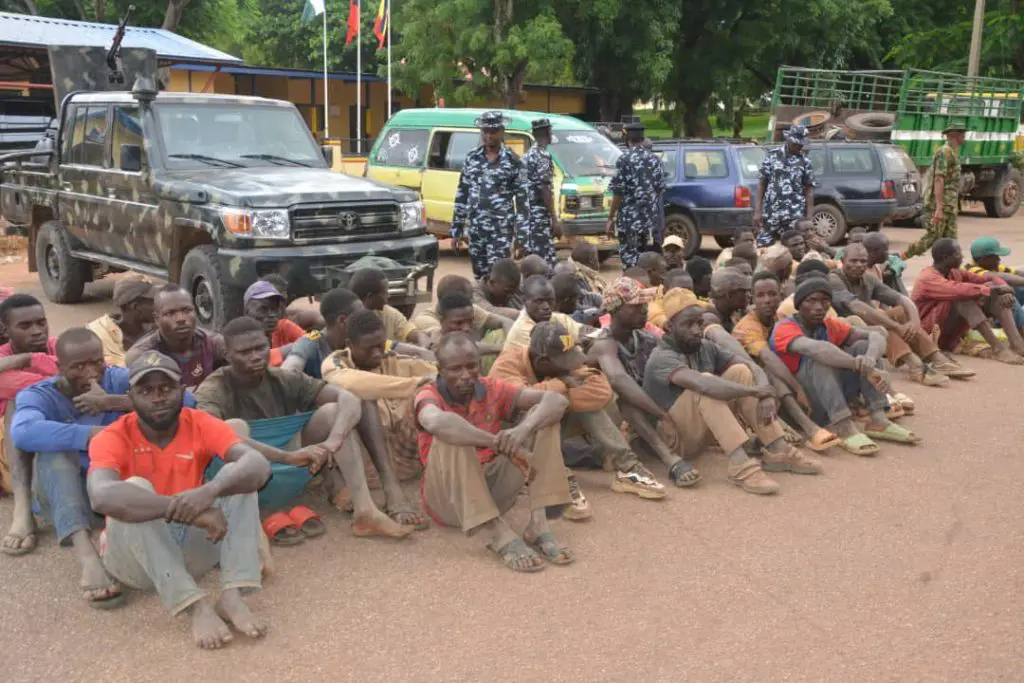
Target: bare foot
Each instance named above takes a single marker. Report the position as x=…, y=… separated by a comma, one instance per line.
x=21, y=537
x=209, y=631
x=1009, y=357
x=379, y=524
x=96, y=584
x=233, y=609
x=405, y=515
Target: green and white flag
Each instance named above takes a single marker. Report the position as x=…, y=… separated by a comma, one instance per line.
x=314, y=8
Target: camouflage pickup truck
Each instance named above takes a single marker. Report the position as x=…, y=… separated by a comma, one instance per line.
x=211, y=191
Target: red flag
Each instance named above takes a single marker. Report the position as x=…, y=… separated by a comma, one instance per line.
x=353, y=21
x=380, y=25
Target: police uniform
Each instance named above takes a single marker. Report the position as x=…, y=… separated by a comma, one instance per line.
x=639, y=181
x=787, y=176
x=491, y=198
x=535, y=235
x=946, y=164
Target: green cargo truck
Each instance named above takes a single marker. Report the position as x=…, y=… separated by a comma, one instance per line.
x=911, y=108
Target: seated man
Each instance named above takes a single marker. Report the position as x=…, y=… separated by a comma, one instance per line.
x=569, y=300
x=588, y=298
x=739, y=264
x=672, y=248
x=534, y=264
x=700, y=270
x=779, y=262
x=794, y=241
x=300, y=423
x=805, y=270
x=987, y=253
x=553, y=362
x=887, y=265
x=587, y=263
x=165, y=527
x=371, y=286
x=753, y=332
x=741, y=235
x=428, y=320
x=858, y=292
x=957, y=300
x=540, y=307
x=745, y=257
x=118, y=331
x=457, y=315
x=475, y=469
x=707, y=391
x=197, y=352
x=730, y=295
x=836, y=363
x=499, y=292
x=264, y=303
x=54, y=422
x=621, y=350
x=29, y=356
x=656, y=267
x=677, y=278
x=372, y=373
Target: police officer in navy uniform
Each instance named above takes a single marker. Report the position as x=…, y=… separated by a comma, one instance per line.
x=541, y=227
x=637, y=188
x=492, y=198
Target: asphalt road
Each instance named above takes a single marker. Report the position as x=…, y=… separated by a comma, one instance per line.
x=905, y=567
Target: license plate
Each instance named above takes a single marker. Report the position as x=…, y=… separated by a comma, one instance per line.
x=910, y=188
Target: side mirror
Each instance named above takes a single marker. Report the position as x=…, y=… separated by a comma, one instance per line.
x=328, y=153
x=131, y=158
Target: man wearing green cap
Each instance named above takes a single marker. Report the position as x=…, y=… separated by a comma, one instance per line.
x=941, y=192
x=986, y=260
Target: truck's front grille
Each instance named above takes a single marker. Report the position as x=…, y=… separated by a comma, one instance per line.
x=342, y=221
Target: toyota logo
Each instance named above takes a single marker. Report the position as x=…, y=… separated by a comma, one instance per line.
x=348, y=220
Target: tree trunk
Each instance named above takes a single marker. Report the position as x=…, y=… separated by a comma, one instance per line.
x=100, y=8
x=695, y=123
x=512, y=86
x=172, y=17
x=30, y=7
x=80, y=9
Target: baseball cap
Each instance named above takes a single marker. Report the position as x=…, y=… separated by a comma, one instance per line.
x=673, y=241
x=491, y=120
x=676, y=300
x=152, y=361
x=626, y=291
x=988, y=246
x=552, y=341
x=132, y=289
x=261, y=289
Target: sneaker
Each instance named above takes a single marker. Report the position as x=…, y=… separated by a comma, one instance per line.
x=791, y=460
x=640, y=482
x=751, y=478
x=927, y=375
x=579, y=507
x=951, y=368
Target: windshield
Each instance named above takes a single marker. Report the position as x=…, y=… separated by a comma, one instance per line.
x=896, y=160
x=234, y=135
x=584, y=153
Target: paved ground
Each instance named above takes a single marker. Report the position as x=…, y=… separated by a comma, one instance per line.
x=906, y=567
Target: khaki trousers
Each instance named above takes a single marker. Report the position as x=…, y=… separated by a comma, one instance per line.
x=460, y=491
x=694, y=417
x=923, y=345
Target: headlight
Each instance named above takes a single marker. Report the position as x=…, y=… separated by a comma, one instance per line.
x=258, y=224
x=412, y=215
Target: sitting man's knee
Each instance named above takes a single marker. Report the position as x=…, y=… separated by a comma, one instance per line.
x=858, y=348
x=739, y=373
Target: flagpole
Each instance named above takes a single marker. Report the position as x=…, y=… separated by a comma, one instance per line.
x=359, y=79
x=387, y=18
x=327, y=107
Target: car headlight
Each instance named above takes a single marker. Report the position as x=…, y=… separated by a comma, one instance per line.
x=271, y=224
x=412, y=215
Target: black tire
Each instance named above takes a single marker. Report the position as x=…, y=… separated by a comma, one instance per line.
x=678, y=223
x=871, y=125
x=62, y=276
x=1008, y=196
x=216, y=300
x=724, y=241
x=829, y=223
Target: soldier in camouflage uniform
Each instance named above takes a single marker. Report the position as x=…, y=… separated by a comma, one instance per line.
x=786, y=191
x=941, y=193
x=536, y=234
x=637, y=189
x=491, y=197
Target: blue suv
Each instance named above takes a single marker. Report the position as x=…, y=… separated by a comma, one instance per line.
x=710, y=188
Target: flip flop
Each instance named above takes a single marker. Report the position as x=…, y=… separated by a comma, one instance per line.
x=514, y=550
x=895, y=411
x=21, y=549
x=860, y=444
x=683, y=474
x=106, y=603
x=823, y=440
x=307, y=521
x=282, y=530
x=551, y=550
x=904, y=402
x=422, y=525
x=894, y=433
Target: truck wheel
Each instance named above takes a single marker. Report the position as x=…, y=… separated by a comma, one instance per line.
x=829, y=223
x=62, y=276
x=216, y=300
x=680, y=224
x=1008, y=196
x=871, y=125
x=724, y=241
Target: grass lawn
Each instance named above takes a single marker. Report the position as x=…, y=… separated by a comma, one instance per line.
x=754, y=125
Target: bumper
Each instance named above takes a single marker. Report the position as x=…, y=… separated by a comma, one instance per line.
x=869, y=211
x=312, y=270
x=579, y=227
x=722, y=221
x=909, y=211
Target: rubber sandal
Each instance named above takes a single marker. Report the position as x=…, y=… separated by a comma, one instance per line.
x=893, y=433
x=422, y=525
x=20, y=550
x=905, y=402
x=683, y=474
x=823, y=440
x=895, y=411
x=860, y=444
x=282, y=530
x=515, y=549
x=547, y=540
x=307, y=521
x=105, y=603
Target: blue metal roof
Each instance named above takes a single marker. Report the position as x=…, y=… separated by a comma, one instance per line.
x=27, y=30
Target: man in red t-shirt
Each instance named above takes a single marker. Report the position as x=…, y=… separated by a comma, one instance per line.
x=834, y=363
x=475, y=469
x=164, y=525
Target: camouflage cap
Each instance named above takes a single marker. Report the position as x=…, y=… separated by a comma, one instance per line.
x=552, y=340
x=626, y=291
x=132, y=289
x=796, y=134
x=153, y=361
x=491, y=120
x=540, y=124
x=955, y=126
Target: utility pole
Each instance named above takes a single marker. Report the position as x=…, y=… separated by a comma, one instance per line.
x=974, y=59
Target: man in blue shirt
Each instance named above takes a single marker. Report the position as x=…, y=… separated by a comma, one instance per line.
x=55, y=419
